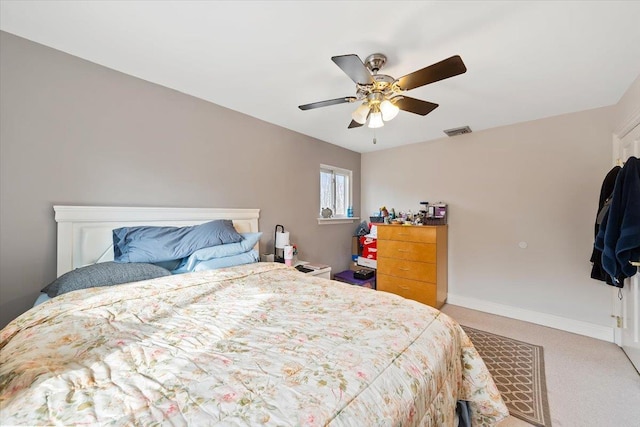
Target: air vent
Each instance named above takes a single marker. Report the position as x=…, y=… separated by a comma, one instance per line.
x=458, y=131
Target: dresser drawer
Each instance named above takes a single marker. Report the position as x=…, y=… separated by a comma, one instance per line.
x=407, y=233
x=406, y=288
x=421, y=271
x=410, y=251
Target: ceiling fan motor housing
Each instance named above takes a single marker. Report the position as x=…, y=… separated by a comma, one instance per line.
x=383, y=84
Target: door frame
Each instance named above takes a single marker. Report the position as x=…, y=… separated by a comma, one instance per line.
x=628, y=125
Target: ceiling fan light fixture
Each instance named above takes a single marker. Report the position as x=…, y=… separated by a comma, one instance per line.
x=360, y=114
x=375, y=120
x=388, y=110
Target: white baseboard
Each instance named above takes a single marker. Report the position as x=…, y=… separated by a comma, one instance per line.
x=570, y=325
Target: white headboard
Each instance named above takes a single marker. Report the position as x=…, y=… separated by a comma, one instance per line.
x=85, y=232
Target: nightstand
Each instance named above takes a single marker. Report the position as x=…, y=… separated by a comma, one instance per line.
x=325, y=273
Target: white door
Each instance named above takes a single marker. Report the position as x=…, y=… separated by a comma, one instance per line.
x=627, y=300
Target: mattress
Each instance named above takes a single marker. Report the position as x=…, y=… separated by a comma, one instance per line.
x=258, y=344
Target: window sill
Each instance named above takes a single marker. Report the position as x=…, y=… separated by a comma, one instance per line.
x=341, y=220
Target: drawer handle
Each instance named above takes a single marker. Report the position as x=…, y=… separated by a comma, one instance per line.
x=403, y=250
x=403, y=287
x=404, y=268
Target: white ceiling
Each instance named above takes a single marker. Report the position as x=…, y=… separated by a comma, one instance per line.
x=526, y=60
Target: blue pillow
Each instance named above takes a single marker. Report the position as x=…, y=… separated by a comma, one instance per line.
x=228, y=261
x=220, y=251
x=103, y=274
x=157, y=244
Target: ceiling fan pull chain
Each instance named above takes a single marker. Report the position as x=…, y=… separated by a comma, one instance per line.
x=375, y=141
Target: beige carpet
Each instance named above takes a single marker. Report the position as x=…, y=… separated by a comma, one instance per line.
x=517, y=368
x=590, y=383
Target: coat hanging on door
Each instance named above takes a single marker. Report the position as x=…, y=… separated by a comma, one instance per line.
x=619, y=235
x=597, y=272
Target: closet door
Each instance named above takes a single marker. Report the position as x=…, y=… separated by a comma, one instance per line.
x=627, y=300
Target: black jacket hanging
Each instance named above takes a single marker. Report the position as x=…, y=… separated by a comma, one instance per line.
x=597, y=272
x=619, y=234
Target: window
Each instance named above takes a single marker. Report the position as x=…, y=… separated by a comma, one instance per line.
x=335, y=190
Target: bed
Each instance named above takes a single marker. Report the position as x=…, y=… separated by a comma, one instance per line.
x=85, y=233
x=253, y=344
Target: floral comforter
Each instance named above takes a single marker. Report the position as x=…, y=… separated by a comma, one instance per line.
x=260, y=344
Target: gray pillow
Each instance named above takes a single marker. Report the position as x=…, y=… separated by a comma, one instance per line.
x=157, y=244
x=103, y=274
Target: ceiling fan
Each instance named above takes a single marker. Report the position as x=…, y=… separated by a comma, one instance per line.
x=381, y=95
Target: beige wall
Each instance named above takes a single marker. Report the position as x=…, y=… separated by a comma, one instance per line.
x=73, y=132
x=536, y=182
x=627, y=109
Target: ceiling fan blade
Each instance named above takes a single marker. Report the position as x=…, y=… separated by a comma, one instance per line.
x=353, y=66
x=327, y=103
x=439, y=71
x=415, y=106
x=354, y=124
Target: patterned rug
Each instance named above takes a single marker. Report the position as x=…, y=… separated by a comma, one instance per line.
x=518, y=370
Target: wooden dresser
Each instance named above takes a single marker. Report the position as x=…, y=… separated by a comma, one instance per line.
x=412, y=262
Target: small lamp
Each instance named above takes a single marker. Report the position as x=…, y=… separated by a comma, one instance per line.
x=361, y=113
x=388, y=110
x=280, y=240
x=375, y=120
